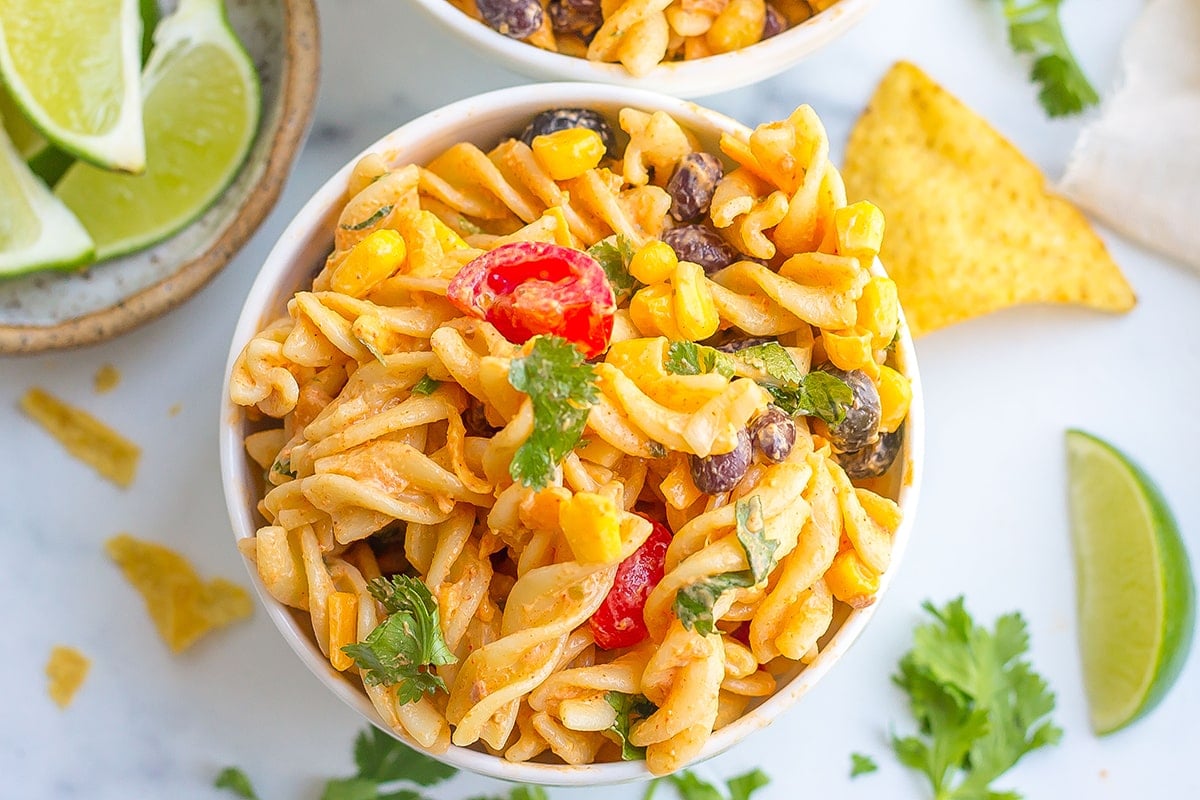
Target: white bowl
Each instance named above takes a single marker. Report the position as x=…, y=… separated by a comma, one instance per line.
x=695, y=78
x=299, y=253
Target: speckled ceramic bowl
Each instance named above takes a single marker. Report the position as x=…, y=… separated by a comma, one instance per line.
x=300, y=252
x=695, y=78
x=54, y=310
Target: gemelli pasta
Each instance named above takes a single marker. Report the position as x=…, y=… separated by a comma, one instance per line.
x=571, y=448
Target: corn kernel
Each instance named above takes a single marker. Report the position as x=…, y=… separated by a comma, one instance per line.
x=568, y=153
x=370, y=262
x=879, y=310
x=695, y=312
x=653, y=312
x=591, y=524
x=850, y=349
x=739, y=25
x=852, y=581
x=342, y=611
x=895, y=396
x=446, y=237
x=654, y=263
x=634, y=356
x=859, y=229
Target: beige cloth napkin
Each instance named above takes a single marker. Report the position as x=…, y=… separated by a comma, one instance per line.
x=1138, y=166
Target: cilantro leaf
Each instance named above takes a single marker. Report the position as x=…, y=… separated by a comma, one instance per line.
x=562, y=387
x=692, y=787
x=350, y=789
x=426, y=386
x=773, y=359
x=818, y=394
x=234, y=780
x=630, y=708
x=979, y=705
x=383, y=758
x=742, y=786
x=861, y=765
x=522, y=792
x=751, y=534
x=613, y=255
x=694, y=603
x=284, y=467
x=402, y=647
x=689, y=358
x=1035, y=28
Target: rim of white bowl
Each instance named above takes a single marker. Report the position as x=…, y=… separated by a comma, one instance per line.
x=695, y=78
x=277, y=280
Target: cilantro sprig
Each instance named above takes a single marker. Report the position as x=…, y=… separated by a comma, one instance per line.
x=234, y=780
x=861, y=765
x=694, y=603
x=1035, y=28
x=426, y=386
x=630, y=708
x=402, y=649
x=689, y=358
x=978, y=703
x=691, y=786
x=613, y=255
x=818, y=394
x=562, y=387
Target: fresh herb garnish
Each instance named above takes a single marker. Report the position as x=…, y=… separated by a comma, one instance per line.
x=284, y=467
x=378, y=216
x=524, y=792
x=691, y=786
x=861, y=765
x=613, y=255
x=979, y=705
x=562, y=387
x=689, y=358
x=1034, y=27
x=694, y=603
x=404, y=646
x=818, y=394
x=234, y=780
x=384, y=761
x=773, y=359
x=630, y=708
x=426, y=386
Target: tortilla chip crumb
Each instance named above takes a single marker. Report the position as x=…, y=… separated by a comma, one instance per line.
x=65, y=673
x=971, y=226
x=183, y=607
x=175, y=409
x=106, y=379
x=85, y=437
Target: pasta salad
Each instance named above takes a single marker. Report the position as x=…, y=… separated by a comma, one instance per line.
x=640, y=34
x=574, y=446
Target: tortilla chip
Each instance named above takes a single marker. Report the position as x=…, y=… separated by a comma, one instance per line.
x=106, y=379
x=84, y=436
x=183, y=607
x=971, y=227
x=65, y=672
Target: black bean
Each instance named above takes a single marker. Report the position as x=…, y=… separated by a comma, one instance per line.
x=861, y=423
x=516, y=19
x=692, y=185
x=720, y=473
x=734, y=345
x=580, y=17
x=475, y=420
x=874, y=459
x=774, y=23
x=561, y=119
x=774, y=434
x=702, y=246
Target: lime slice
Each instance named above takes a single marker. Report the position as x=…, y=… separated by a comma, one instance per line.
x=1134, y=586
x=23, y=135
x=73, y=68
x=201, y=114
x=36, y=231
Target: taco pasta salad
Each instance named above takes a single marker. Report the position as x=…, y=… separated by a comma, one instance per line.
x=574, y=446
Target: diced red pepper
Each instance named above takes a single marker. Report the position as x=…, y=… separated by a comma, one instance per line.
x=531, y=288
x=619, y=622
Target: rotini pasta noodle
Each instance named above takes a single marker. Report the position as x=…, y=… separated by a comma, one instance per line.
x=416, y=441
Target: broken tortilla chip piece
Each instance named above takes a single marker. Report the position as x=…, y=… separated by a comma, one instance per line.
x=183, y=607
x=971, y=227
x=65, y=673
x=84, y=436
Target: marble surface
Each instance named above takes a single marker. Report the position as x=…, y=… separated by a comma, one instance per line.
x=1000, y=391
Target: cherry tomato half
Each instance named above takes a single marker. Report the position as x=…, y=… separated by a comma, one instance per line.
x=619, y=622
x=531, y=288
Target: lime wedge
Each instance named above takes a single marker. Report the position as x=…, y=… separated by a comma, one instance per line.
x=36, y=231
x=201, y=113
x=23, y=135
x=1134, y=586
x=73, y=68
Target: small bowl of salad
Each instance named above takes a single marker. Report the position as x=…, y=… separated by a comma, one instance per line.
x=687, y=49
x=573, y=432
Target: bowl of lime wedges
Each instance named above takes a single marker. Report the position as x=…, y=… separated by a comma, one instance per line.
x=142, y=143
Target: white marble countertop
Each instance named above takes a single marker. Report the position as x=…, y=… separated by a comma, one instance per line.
x=999, y=391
